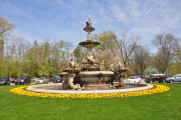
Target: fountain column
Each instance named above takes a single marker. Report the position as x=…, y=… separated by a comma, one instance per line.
x=89, y=44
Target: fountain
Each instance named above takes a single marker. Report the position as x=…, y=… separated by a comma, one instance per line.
x=91, y=74
x=90, y=80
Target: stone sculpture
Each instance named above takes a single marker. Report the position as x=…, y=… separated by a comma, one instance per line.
x=70, y=69
x=117, y=66
x=71, y=80
x=73, y=62
x=90, y=58
x=66, y=64
x=102, y=66
x=89, y=24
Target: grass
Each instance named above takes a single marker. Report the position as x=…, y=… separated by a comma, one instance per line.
x=163, y=106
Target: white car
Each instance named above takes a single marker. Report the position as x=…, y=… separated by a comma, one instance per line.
x=134, y=79
x=42, y=80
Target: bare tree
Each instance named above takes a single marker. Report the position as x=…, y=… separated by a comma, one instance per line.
x=178, y=53
x=140, y=59
x=166, y=45
x=126, y=45
x=68, y=47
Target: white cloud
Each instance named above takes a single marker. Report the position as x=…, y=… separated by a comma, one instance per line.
x=65, y=19
x=147, y=17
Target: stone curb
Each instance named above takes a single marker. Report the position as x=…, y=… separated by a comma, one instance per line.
x=37, y=88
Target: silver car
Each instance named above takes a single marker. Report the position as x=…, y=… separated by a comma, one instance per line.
x=42, y=80
x=174, y=78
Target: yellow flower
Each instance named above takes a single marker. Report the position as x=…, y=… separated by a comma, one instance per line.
x=23, y=91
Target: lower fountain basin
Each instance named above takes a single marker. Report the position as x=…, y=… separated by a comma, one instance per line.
x=94, y=79
x=91, y=79
x=56, y=88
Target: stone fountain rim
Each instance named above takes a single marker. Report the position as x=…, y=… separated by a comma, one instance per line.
x=96, y=72
x=34, y=89
x=90, y=73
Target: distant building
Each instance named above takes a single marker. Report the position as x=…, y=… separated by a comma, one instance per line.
x=151, y=70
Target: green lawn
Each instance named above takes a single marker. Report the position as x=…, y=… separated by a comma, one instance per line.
x=163, y=106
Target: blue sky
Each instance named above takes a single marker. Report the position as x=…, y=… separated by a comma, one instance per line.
x=65, y=19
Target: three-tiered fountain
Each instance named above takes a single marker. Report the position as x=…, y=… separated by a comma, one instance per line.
x=91, y=74
x=90, y=77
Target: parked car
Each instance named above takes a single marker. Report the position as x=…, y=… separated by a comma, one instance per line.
x=174, y=78
x=42, y=80
x=161, y=78
x=4, y=81
x=33, y=79
x=23, y=80
x=12, y=79
x=134, y=79
x=57, y=80
x=116, y=79
x=50, y=79
x=53, y=79
x=142, y=76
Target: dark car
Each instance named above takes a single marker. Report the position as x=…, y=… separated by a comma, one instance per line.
x=161, y=78
x=57, y=80
x=23, y=80
x=142, y=76
x=4, y=81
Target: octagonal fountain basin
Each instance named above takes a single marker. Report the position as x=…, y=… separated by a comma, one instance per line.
x=95, y=79
x=92, y=79
x=57, y=88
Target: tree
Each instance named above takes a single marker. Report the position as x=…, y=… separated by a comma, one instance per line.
x=140, y=59
x=32, y=56
x=166, y=45
x=126, y=45
x=80, y=53
x=57, y=56
x=67, y=48
x=178, y=53
x=174, y=68
x=123, y=44
x=106, y=39
x=5, y=30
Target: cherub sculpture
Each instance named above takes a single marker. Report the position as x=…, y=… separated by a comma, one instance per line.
x=73, y=62
x=90, y=58
x=102, y=65
x=117, y=66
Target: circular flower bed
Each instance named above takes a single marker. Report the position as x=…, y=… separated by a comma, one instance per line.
x=157, y=89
